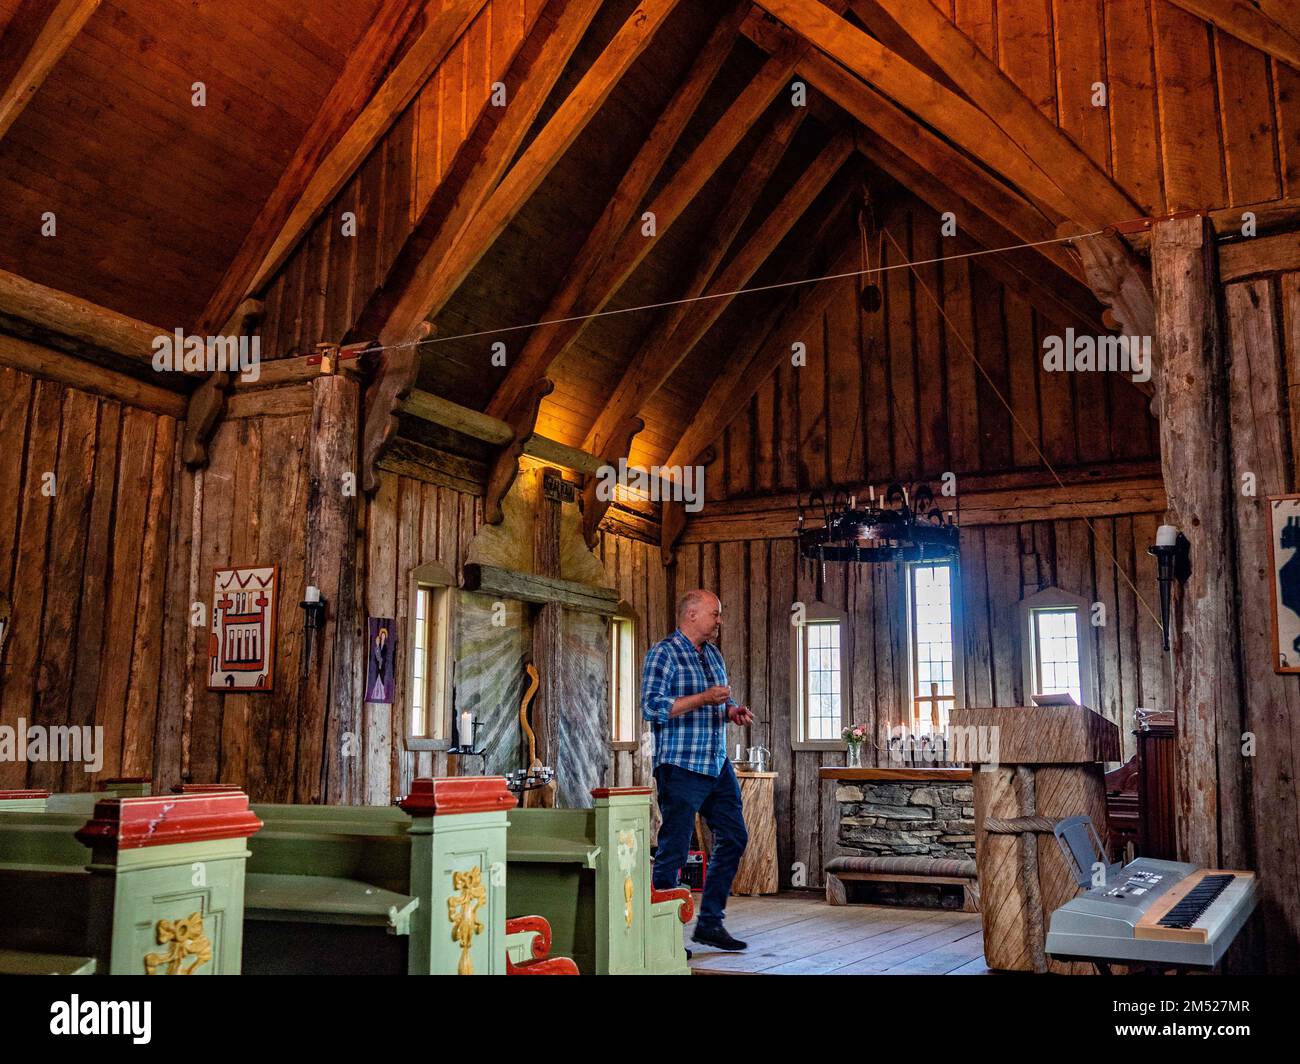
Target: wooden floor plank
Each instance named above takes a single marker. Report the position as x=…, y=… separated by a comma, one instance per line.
x=799, y=934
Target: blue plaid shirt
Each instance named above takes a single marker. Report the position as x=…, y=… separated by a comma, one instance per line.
x=697, y=740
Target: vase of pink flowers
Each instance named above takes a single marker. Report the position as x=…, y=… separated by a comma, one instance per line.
x=855, y=737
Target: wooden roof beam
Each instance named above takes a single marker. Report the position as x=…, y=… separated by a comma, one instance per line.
x=35, y=40
x=713, y=249
x=1278, y=35
x=1099, y=199
x=348, y=124
x=475, y=171
x=544, y=345
x=656, y=362
x=741, y=379
x=667, y=206
x=957, y=119
x=437, y=277
x=931, y=154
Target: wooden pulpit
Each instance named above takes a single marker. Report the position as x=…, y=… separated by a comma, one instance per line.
x=1036, y=765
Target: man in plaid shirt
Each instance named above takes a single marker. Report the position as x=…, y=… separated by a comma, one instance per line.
x=686, y=699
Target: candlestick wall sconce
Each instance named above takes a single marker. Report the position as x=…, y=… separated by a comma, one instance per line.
x=1173, y=554
x=313, y=609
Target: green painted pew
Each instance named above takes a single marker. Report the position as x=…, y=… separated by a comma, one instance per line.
x=144, y=886
x=415, y=889
x=587, y=873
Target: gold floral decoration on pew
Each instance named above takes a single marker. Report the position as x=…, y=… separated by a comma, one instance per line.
x=626, y=863
x=462, y=911
x=183, y=938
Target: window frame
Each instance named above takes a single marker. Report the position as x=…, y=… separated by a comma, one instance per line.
x=624, y=616
x=434, y=577
x=824, y=613
x=1054, y=598
x=907, y=697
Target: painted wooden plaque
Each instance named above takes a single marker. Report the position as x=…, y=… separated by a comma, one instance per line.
x=241, y=644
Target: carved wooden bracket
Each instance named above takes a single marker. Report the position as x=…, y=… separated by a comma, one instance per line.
x=1122, y=282
x=593, y=507
x=208, y=400
x=523, y=420
x=672, y=522
x=393, y=374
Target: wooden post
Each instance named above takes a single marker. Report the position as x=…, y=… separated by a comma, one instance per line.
x=329, y=720
x=548, y=629
x=1192, y=399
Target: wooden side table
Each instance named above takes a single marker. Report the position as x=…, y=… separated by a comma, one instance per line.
x=757, y=873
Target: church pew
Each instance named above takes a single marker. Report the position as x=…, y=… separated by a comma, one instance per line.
x=144, y=886
x=418, y=888
x=587, y=872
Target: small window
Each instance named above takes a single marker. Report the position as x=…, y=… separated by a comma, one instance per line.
x=622, y=677
x=931, y=645
x=430, y=690
x=819, y=678
x=1057, y=647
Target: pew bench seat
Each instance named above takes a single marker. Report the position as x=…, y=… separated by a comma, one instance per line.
x=326, y=900
x=21, y=962
x=552, y=851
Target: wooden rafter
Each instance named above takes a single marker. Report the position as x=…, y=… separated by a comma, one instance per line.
x=959, y=120
x=77, y=318
x=477, y=167
x=1066, y=301
x=713, y=248
x=1098, y=199
x=741, y=379
x=35, y=39
x=347, y=125
x=656, y=363
x=759, y=330
x=437, y=278
x=935, y=156
x=667, y=206
x=544, y=345
x=1278, y=36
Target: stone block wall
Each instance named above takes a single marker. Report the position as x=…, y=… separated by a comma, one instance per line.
x=907, y=818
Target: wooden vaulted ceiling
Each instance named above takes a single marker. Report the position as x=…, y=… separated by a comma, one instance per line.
x=480, y=218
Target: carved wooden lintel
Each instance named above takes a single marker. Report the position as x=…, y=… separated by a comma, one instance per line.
x=522, y=420
x=208, y=401
x=593, y=507
x=393, y=372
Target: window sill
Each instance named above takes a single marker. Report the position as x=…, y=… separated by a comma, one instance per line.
x=415, y=742
x=625, y=747
x=820, y=744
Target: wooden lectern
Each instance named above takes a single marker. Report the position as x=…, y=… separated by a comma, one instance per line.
x=1037, y=765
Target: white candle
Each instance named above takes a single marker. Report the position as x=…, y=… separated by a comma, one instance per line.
x=467, y=730
x=1166, y=536
x=313, y=594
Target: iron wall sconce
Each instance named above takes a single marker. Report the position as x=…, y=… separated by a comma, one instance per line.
x=1173, y=554
x=313, y=609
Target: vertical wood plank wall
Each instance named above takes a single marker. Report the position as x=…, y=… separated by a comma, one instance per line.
x=84, y=539
x=760, y=580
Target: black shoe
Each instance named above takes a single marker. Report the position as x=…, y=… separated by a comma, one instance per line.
x=717, y=937
x=688, y=954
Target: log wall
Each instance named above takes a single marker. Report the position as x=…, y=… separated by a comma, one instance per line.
x=84, y=539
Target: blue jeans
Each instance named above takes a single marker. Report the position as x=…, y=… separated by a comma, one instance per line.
x=682, y=794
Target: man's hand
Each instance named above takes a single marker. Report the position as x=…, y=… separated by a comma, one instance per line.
x=715, y=694
x=740, y=715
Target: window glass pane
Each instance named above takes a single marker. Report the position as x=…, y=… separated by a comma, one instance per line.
x=1056, y=651
x=930, y=636
x=820, y=680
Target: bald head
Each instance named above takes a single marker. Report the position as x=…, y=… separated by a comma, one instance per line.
x=699, y=615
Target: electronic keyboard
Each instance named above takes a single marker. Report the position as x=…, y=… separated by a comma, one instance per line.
x=1159, y=912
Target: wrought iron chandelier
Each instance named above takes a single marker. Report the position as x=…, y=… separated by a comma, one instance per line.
x=896, y=528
